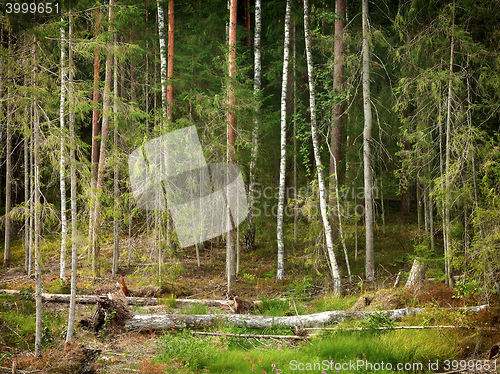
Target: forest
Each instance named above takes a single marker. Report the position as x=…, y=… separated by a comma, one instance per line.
x=229, y=186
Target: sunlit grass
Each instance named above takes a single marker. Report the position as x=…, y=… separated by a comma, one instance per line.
x=219, y=354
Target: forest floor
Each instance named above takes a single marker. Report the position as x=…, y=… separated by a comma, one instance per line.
x=181, y=277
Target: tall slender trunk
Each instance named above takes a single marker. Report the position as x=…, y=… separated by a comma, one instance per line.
x=106, y=101
x=231, y=124
x=280, y=273
x=337, y=107
x=116, y=190
x=38, y=208
x=8, y=190
x=94, y=158
x=294, y=120
x=447, y=250
x=170, y=62
x=255, y=130
x=74, y=226
x=163, y=63
x=336, y=279
x=27, y=197
x=367, y=133
x=62, y=163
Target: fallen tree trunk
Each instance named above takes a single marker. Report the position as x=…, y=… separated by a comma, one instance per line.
x=139, y=301
x=172, y=322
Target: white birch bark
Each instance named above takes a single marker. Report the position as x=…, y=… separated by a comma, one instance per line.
x=367, y=133
x=337, y=281
x=280, y=273
x=163, y=62
x=255, y=130
x=62, y=182
x=74, y=230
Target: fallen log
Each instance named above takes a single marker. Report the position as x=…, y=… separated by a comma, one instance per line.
x=173, y=322
x=139, y=301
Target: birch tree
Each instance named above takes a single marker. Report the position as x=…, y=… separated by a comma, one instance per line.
x=38, y=208
x=170, y=61
x=336, y=278
x=74, y=222
x=280, y=273
x=231, y=124
x=370, y=256
x=62, y=172
x=255, y=130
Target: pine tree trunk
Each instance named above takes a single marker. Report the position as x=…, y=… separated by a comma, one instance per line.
x=74, y=226
x=231, y=242
x=250, y=245
x=106, y=100
x=337, y=107
x=447, y=249
x=62, y=164
x=170, y=62
x=280, y=273
x=8, y=191
x=370, y=256
x=116, y=190
x=337, y=281
x=94, y=160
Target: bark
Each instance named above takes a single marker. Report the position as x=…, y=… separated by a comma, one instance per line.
x=280, y=273
x=74, y=226
x=170, y=62
x=27, y=199
x=231, y=243
x=116, y=190
x=250, y=234
x=37, y=205
x=337, y=281
x=171, y=321
x=417, y=274
x=94, y=160
x=163, y=62
x=447, y=250
x=295, y=165
x=62, y=161
x=337, y=107
x=106, y=100
x=8, y=193
x=370, y=256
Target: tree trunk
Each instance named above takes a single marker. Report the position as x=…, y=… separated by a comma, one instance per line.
x=163, y=62
x=74, y=226
x=8, y=191
x=367, y=133
x=280, y=273
x=95, y=137
x=231, y=244
x=447, y=249
x=38, y=208
x=337, y=281
x=417, y=274
x=176, y=321
x=170, y=64
x=337, y=107
x=250, y=234
x=116, y=189
x=62, y=164
x=106, y=100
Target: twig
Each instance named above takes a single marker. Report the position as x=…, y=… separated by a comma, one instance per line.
x=256, y=336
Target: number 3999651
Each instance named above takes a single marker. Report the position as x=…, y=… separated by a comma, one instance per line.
x=40, y=8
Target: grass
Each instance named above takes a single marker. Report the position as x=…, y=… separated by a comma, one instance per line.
x=218, y=354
